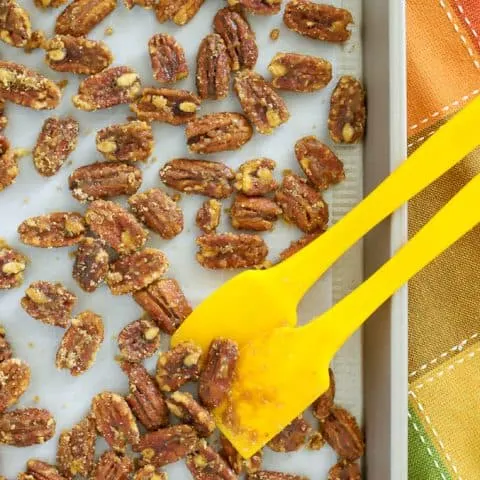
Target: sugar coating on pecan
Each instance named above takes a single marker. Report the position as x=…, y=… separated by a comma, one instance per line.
x=259, y=7
x=12, y=267
x=293, y=437
x=255, y=177
x=139, y=340
x=15, y=25
x=91, y=263
x=254, y=213
x=206, y=463
x=168, y=58
x=208, y=215
x=179, y=11
x=14, y=380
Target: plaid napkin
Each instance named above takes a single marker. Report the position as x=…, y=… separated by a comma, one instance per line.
x=444, y=333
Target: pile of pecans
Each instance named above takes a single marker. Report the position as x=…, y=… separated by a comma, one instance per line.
x=111, y=241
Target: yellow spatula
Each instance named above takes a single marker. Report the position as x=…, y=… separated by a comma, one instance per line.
x=258, y=301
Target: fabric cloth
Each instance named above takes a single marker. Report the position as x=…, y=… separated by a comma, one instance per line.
x=443, y=42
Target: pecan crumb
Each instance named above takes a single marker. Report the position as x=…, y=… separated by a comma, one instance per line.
x=208, y=216
x=275, y=34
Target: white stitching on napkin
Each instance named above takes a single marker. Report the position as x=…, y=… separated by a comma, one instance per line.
x=467, y=21
x=421, y=139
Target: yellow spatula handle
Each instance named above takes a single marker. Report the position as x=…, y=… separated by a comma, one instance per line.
x=453, y=221
x=438, y=154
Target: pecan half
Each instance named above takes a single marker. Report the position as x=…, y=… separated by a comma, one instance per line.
x=80, y=343
x=269, y=475
x=345, y=471
x=139, y=340
x=49, y=302
x=59, y=229
x=229, y=250
x=149, y=472
x=14, y=380
x=114, y=421
x=57, y=140
x=323, y=405
x=81, y=16
x=302, y=205
x=236, y=461
x=255, y=177
x=300, y=73
x=15, y=26
x=343, y=434
x=167, y=445
x=238, y=36
x=316, y=441
x=179, y=11
x=259, y=7
x=178, y=366
x=292, y=437
x=66, y=53
x=254, y=213
x=76, y=449
x=187, y=409
x=37, y=470
x=168, y=58
x=3, y=116
x=217, y=374
x=8, y=164
x=91, y=264
x=213, y=68
x=5, y=348
x=318, y=21
x=198, y=176
x=112, y=467
x=136, y=271
x=20, y=85
x=114, y=86
x=347, y=117
x=158, y=211
x=165, y=303
x=263, y=106
x=127, y=142
x=208, y=216
x=25, y=427
x=206, y=464
x=104, y=180
x=113, y=224
x=166, y=105
x=12, y=266
x=145, y=399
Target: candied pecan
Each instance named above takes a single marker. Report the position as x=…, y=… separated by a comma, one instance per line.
x=12, y=266
x=59, y=229
x=300, y=73
x=49, y=3
x=91, y=264
x=254, y=213
x=236, y=461
x=139, y=340
x=217, y=375
x=145, y=399
x=146, y=4
x=213, y=68
x=178, y=366
x=343, y=434
x=136, y=271
x=302, y=205
x=165, y=303
x=198, y=176
x=104, y=180
x=149, y=472
x=344, y=470
x=167, y=445
x=167, y=58
x=238, y=36
x=218, y=132
x=36, y=40
x=127, y=142
x=297, y=245
x=114, y=86
x=292, y=437
x=187, y=409
x=80, y=343
x=263, y=106
x=180, y=11
x=65, y=53
x=3, y=117
x=208, y=216
x=26, y=426
x=166, y=105
x=5, y=348
x=255, y=177
x=20, y=85
x=229, y=250
x=112, y=467
x=57, y=140
x=269, y=475
x=8, y=164
x=114, y=420
x=76, y=449
x=318, y=21
x=14, y=380
x=206, y=464
x=15, y=26
x=37, y=470
x=158, y=211
x=316, y=441
x=81, y=16
x=323, y=404
x=347, y=117
x=113, y=224
x=259, y=7
x=51, y=303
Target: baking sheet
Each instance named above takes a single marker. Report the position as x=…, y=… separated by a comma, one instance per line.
x=69, y=398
